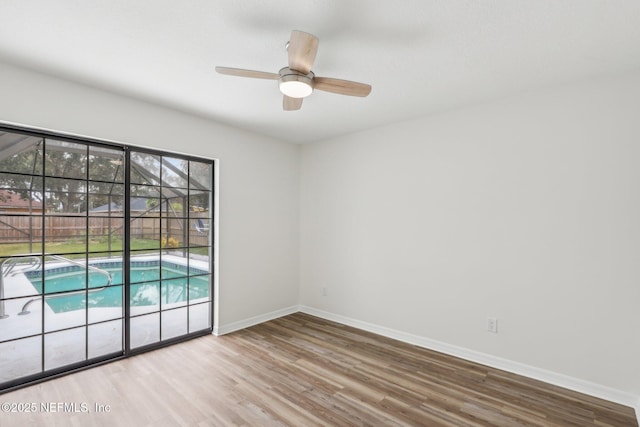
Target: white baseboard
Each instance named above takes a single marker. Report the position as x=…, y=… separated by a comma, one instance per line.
x=241, y=324
x=575, y=384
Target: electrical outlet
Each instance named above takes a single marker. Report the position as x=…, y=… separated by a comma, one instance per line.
x=492, y=325
x=325, y=291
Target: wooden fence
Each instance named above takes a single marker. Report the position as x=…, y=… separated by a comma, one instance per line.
x=22, y=229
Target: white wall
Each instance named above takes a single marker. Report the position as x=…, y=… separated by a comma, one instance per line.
x=259, y=178
x=527, y=210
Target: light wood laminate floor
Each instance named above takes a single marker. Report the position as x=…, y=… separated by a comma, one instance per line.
x=300, y=370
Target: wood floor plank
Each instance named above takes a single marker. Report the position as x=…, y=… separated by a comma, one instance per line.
x=301, y=370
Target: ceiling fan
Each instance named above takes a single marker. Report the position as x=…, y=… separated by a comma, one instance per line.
x=297, y=81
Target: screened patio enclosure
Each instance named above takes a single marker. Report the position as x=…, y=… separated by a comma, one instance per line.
x=105, y=250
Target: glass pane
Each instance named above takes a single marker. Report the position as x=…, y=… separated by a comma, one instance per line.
x=106, y=189
x=105, y=234
x=174, y=323
x=174, y=293
x=20, y=235
x=98, y=277
x=175, y=172
x=23, y=208
x=145, y=268
x=174, y=208
x=20, y=358
x=65, y=196
x=199, y=317
x=63, y=348
x=145, y=297
x=145, y=233
x=199, y=203
x=106, y=303
x=172, y=233
x=65, y=235
x=199, y=232
x=148, y=191
x=28, y=281
x=106, y=164
x=28, y=323
x=199, y=258
x=145, y=330
x=20, y=153
x=199, y=289
x=106, y=206
x=110, y=262
x=20, y=207
x=65, y=159
x=64, y=274
x=200, y=175
x=145, y=168
x=106, y=199
x=174, y=267
x=105, y=338
x=66, y=310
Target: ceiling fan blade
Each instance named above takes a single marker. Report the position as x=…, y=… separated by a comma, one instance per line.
x=291, y=104
x=239, y=72
x=343, y=87
x=302, y=51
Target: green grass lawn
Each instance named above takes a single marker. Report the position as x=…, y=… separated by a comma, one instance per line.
x=69, y=247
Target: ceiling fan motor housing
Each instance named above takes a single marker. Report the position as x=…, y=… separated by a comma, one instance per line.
x=294, y=83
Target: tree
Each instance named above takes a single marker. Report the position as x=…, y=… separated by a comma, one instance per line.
x=67, y=168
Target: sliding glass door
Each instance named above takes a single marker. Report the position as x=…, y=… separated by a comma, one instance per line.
x=170, y=247
x=104, y=251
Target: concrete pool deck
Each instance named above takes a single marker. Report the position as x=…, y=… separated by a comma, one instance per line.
x=68, y=338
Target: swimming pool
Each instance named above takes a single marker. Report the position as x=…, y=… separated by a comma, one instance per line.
x=178, y=284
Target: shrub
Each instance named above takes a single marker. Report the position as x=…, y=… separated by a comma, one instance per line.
x=171, y=243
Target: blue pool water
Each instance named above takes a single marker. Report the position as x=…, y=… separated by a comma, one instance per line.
x=178, y=283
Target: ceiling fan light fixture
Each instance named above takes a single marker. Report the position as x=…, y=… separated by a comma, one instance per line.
x=295, y=84
x=296, y=81
x=296, y=89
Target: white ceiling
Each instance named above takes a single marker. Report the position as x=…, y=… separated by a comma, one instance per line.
x=420, y=56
